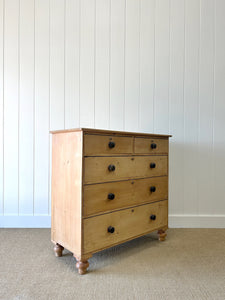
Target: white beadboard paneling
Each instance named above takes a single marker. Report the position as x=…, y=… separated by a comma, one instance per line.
x=117, y=60
x=11, y=105
x=26, y=107
x=102, y=39
x=41, y=137
x=176, y=105
x=72, y=63
x=25, y=221
x=147, y=65
x=206, y=102
x=87, y=62
x=57, y=64
x=1, y=103
x=219, y=110
x=132, y=65
x=162, y=46
x=191, y=105
x=197, y=221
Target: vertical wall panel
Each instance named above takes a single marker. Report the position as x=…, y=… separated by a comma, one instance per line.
x=41, y=149
x=162, y=27
x=176, y=105
x=132, y=65
x=138, y=65
x=147, y=65
x=11, y=105
x=57, y=60
x=191, y=105
x=87, y=62
x=219, y=113
x=117, y=59
x=26, y=107
x=206, y=100
x=72, y=64
x=102, y=63
x=1, y=102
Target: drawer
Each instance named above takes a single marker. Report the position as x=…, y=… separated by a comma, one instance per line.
x=104, y=197
x=105, y=169
x=107, y=145
x=150, y=146
x=126, y=224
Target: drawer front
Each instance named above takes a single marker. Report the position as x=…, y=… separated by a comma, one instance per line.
x=107, y=145
x=99, y=198
x=105, y=169
x=127, y=224
x=150, y=146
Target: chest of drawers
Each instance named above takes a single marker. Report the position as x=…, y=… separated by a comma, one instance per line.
x=108, y=187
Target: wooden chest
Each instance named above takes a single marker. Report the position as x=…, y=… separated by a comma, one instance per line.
x=108, y=187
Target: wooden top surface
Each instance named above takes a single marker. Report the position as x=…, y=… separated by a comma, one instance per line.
x=110, y=132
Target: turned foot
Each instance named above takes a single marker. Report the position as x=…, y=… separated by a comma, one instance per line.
x=58, y=250
x=82, y=266
x=162, y=235
x=82, y=263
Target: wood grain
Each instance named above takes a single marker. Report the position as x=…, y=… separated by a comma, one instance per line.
x=111, y=132
x=66, y=190
x=127, y=223
x=143, y=145
x=126, y=193
x=96, y=168
x=99, y=145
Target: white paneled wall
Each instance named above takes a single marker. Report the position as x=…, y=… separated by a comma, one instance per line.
x=138, y=65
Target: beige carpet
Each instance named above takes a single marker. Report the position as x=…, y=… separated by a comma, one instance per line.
x=190, y=264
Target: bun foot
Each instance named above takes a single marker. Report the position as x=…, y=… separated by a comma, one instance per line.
x=58, y=250
x=82, y=267
x=82, y=263
x=162, y=235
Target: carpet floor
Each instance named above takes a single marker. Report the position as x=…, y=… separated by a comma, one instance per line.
x=190, y=264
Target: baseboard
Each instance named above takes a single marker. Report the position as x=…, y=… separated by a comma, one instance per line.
x=175, y=221
x=29, y=221
x=197, y=221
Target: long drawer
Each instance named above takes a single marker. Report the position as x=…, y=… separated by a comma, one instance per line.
x=109, y=229
x=105, y=169
x=99, y=198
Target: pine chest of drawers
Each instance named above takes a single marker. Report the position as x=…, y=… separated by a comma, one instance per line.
x=108, y=187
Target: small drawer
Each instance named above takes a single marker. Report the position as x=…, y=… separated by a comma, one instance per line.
x=150, y=146
x=105, y=169
x=105, y=197
x=106, y=230
x=100, y=145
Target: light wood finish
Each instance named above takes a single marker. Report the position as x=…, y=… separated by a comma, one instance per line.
x=96, y=168
x=111, y=132
x=66, y=190
x=126, y=193
x=128, y=223
x=93, y=207
x=99, y=145
x=143, y=146
x=58, y=250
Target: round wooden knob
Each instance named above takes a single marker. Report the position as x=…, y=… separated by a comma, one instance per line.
x=111, y=196
x=111, y=229
x=111, y=168
x=112, y=145
x=152, y=165
x=152, y=189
